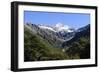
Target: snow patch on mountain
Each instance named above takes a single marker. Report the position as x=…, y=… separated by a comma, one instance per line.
x=59, y=27
x=45, y=27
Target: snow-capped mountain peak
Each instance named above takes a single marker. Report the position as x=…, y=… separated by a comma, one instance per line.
x=59, y=27
x=61, y=31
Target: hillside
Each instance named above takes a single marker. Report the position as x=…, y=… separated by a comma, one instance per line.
x=37, y=49
x=45, y=43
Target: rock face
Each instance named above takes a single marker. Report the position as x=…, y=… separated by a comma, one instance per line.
x=58, y=32
x=81, y=32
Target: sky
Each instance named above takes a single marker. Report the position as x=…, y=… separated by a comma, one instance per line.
x=74, y=20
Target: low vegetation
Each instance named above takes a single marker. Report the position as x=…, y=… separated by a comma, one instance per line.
x=37, y=48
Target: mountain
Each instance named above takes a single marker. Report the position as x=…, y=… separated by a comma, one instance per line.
x=84, y=28
x=45, y=33
x=59, y=42
x=59, y=34
x=39, y=48
x=64, y=32
x=61, y=27
x=79, y=45
x=81, y=32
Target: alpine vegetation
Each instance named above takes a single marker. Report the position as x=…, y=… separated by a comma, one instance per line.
x=60, y=42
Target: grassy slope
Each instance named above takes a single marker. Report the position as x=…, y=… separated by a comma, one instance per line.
x=37, y=49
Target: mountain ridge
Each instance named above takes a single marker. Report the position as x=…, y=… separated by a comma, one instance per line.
x=50, y=34
x=44, y=44
x=60, y=32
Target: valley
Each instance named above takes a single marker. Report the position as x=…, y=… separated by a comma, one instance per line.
x=59, y=42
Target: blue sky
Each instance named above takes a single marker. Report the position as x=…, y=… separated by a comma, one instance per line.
x=74, y=20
